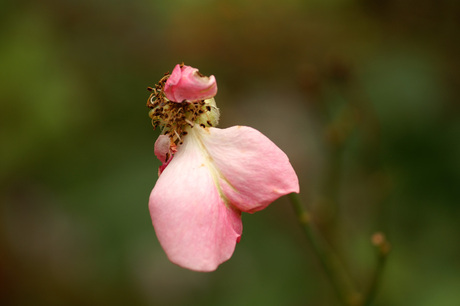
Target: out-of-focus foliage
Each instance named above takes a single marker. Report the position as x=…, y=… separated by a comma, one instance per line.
x=362, y=95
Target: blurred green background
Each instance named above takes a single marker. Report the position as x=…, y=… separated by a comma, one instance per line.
x=363, y=96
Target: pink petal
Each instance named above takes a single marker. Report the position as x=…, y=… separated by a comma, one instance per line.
x=164, y=151
x=194, y=226
x=186, y=84
x=254, y=171
x=162, y=147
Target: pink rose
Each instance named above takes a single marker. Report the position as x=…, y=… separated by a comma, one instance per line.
x=209, y=176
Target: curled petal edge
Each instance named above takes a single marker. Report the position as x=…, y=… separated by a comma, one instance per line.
x=187, y=84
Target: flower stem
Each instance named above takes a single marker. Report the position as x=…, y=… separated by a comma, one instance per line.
x=340, y=279
x=335, y=271
x=383, y=248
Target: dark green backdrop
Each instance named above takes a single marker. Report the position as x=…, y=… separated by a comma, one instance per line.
x=362, y=95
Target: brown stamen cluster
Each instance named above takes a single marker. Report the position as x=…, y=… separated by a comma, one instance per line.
x=173, y=117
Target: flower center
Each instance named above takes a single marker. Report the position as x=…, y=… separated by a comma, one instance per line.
x=175, y=118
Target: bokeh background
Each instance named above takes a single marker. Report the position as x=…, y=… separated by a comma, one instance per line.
x=363, y=95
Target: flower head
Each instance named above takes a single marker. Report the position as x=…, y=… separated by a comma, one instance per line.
x=209, y=176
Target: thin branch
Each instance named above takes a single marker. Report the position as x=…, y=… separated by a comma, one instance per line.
x=383, y=249
x=335, y=271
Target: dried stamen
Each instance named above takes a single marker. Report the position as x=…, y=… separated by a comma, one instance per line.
x=176, y=117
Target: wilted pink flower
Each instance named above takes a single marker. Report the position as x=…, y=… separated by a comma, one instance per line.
x=214, y=176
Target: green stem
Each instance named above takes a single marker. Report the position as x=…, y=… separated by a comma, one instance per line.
x=330, y=262
x=383, y=248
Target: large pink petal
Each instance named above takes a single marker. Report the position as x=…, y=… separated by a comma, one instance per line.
x=194, y=226
x=187, y=84
x=253, y=170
